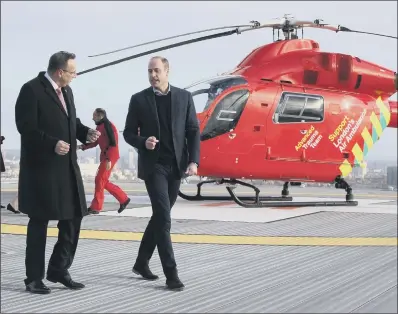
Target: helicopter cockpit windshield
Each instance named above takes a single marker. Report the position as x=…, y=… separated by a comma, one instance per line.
x=204, y=92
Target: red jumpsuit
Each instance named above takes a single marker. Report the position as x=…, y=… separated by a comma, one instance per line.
x=110, y=153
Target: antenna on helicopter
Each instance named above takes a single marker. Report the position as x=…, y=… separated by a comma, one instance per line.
x=288, y=25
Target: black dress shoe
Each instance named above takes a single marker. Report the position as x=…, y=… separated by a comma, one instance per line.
x=123, y=206
x=38, y=287
x=67, y=282
x=92, y=211
x=2, y=206
x=145, y=272
x=12, y=209
x=174, y=284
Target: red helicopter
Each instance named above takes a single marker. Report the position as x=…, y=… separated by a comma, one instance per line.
x=288, y=112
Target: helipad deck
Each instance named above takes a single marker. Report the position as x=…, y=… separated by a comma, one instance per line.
x=231, y=259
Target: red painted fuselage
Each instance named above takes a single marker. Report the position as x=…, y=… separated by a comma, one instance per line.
x=290, y=112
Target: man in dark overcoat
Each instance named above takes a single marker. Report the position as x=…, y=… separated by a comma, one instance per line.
x=50, y=184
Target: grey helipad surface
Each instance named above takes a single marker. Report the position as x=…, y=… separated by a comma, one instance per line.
x=223, y=278
x=320, y=224
x=218, y=278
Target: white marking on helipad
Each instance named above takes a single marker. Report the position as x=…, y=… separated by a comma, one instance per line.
x=229, y=211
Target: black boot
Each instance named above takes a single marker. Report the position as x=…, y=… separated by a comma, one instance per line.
x=66, y=281
x=173, y=282
x=123, y=206
x=12, y=209
x=144, y=271
x=92, y=211
x=37, y=287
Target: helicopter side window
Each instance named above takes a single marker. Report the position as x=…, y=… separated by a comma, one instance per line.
x=299, y=108
x=226, y=115
x=314, y=108
x=294, y=105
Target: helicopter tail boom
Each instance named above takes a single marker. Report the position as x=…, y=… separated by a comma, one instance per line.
x=394, y=113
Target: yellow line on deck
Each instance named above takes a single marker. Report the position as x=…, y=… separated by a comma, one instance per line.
x=216, y=239
x=217, y=192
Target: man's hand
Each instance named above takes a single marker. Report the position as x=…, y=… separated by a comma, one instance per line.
x=151, y=143
x=192, y=169
x=62, y=148
x=93, y=135
x=108, y=165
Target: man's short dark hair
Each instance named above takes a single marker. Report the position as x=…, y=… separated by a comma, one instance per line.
x=101, y=111
x=59, y=60
x=164, y=61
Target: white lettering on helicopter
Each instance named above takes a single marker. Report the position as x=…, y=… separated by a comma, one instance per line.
x=313, y=141
x=345, y=131
x=310, y=139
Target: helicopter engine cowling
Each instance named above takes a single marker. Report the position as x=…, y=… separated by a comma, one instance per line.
x=366, y=77
x=299, y=61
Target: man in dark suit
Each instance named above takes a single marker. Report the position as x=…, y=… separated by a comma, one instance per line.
x=168, y=146
x=50, y=184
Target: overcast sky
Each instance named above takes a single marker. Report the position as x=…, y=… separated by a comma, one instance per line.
x=32, y=31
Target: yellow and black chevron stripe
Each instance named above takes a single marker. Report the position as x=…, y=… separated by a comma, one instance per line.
x=369, y=138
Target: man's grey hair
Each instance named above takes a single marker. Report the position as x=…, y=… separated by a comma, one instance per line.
x=59, y=60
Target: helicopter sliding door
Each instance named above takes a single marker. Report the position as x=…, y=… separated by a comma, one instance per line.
x=223, y=121
x=229, y=136
x=294, y=131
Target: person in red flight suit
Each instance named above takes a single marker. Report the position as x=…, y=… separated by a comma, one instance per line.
x=108, y=142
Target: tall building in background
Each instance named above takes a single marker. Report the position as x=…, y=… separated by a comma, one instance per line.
x=364, y=168
x=360, y=170
x=132, y=159
x=97, y=154
x=122, y=162
x=392, y=176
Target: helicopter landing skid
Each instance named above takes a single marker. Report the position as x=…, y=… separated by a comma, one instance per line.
x=339, y=184
x=255, y=199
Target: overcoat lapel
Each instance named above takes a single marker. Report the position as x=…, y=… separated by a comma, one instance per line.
x=51, y=92
x=152, y=106
x=152, y=102
x=67, y=101
x=174, y=107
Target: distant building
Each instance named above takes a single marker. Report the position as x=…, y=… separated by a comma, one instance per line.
x=97, y=154
x=392, y=176
x=360, y=171
x=131, y=159
x=88, y=169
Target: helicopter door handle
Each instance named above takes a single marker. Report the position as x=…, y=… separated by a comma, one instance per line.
x=231, y=135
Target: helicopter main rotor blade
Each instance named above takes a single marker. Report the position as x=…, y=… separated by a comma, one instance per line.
x=239, y=30
x=171, y=37
x=186, y=42
x=286, y=23
x=344, y=29
x=338, y=28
